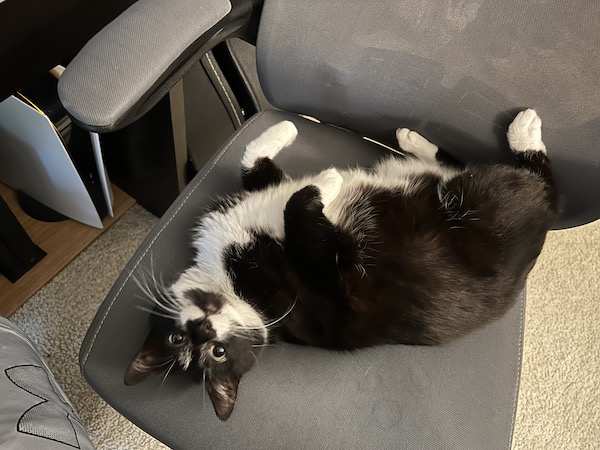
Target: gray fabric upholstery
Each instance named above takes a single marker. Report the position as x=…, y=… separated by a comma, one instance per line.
x=454, y=71
x=461, y=396
x=126, y=59
x=34, y=411
x=457, y=72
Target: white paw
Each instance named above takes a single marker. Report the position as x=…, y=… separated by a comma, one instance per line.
x=329, y=183
x=525, y=132
x=269, y=143
x=413, y=142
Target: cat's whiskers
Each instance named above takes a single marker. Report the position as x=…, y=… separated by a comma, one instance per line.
x=155, y=313
x=337, y=262
x=262, y=345
x=160, y=297
x=166, y=293
x=255, y=358
x=270, y=324
x=161, y=289
x=204, y=388
x=273, y=322
x=154, y=301
x=361, y=269
x=168, y=371
x=456, y=217
x=154, y=366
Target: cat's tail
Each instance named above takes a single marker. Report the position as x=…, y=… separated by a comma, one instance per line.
x=269, y=143
x=258, y=169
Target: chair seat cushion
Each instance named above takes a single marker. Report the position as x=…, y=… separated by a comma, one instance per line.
x=458, y=396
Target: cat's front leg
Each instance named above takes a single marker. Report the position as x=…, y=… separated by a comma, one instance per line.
x=415, y=144
x=311, y=240
x=258, y=169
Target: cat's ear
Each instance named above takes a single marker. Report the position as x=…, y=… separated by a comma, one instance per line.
x=147, y=363
x=223, y=392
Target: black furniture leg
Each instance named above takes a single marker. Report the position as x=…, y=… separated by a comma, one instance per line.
x=18, y=253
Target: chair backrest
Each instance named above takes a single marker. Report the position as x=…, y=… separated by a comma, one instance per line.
x=456, y=71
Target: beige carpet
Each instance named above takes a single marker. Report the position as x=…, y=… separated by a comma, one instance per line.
x=57, y=317
x=560, y=386
x=559, y=397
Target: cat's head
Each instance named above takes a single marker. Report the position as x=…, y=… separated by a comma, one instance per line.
x=215, y=338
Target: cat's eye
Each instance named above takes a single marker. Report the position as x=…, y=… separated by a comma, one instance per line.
x=175, y=338
x=217, y=352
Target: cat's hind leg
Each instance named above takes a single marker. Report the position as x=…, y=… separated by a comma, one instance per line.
x=525, y=132
x=258, y=169
x=413, y=143
x=525, y=140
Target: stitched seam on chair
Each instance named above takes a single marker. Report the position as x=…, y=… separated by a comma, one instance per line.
x=224, y=90
x=158, y=234
x=519, y=367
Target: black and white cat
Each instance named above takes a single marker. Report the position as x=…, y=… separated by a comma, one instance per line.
x=413, y=251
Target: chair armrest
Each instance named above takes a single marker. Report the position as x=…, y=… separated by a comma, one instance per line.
x=127, y=67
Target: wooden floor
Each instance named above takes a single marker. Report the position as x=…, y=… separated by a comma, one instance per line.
x=62, y=241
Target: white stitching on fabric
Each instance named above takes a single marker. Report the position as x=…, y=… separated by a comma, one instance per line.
x=241, y=130
x=519, y=367
x=224, y=90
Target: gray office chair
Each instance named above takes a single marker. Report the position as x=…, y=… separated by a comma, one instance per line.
x=456, y=72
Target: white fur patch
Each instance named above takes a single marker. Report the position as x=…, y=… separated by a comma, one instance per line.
x=403, y=175
x=236, y=317
x=525, y=132
x=413, y=142
x=329, y=183
x=185, y=357
x=407, y=172
x=222, y=323
x=191, y=313
x=269, y=143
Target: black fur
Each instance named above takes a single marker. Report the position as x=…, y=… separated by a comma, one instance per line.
x=432, y=273
x=209, y=302
x=264, y=174
x=435, y=260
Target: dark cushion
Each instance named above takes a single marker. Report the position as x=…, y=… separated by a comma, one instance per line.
x=459, y=396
